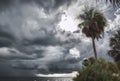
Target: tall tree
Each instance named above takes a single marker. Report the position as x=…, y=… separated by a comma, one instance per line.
x=115, y=46
x=114, y=2
x=93, y=25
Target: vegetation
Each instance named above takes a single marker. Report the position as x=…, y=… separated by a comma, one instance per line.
x=115, y=48
x=101, y=71
x=93, y=25
x=114, y=2
x=89, y=61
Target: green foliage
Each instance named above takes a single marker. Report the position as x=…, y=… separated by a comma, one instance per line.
x=101, y=71
x=118, y=64
x=89, y=61
x=106, y=65
x=115, y=45
x=93, y=23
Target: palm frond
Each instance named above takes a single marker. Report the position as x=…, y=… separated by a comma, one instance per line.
x=115, y=45
x=93, y=22
x=114, y=2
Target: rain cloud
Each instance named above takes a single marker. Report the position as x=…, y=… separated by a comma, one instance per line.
x=31, y=42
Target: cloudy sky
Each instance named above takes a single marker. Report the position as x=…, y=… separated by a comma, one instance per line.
x=36, y=36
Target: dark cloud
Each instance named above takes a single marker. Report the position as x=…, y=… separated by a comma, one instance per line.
x=7, y=71
x=6, y=38
x=51, y=67
x=58, y=66
x=48, y=5
x=12, y=54
x=34, y=39
x=53, y=38
x=31, y=41
x=5, y=42
x=5, y=4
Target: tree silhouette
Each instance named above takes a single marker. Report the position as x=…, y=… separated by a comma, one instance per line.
x=114, y=2
x=101, y=71
x=115, y=45
x=93, y=25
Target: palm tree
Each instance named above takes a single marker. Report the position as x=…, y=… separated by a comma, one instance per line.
x=93, y=25
x=114, y=2
x=115, y=45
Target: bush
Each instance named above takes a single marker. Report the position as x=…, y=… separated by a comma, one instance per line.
x=118, y=64
x=101, y=71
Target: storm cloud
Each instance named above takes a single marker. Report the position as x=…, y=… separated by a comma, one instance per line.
x=32, y=42
x=48, y=5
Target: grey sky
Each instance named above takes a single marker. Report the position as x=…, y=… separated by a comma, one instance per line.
x=31, y=41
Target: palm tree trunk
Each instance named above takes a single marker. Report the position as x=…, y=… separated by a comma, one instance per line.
x=94, y=48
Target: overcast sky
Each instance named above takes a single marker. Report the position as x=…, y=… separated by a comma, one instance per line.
x=36, y=36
